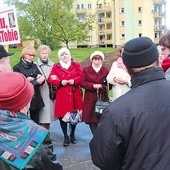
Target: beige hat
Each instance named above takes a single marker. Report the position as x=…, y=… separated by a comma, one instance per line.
x=99, y=53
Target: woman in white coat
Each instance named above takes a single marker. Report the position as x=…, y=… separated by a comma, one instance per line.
x=45, y=65
x=118, y=77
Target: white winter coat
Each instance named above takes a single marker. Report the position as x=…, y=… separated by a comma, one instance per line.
x=118, y=89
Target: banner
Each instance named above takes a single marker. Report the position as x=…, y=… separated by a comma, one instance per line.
x=9, y=32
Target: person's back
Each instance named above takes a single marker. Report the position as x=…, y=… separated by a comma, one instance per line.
x=23, y=143
x=136, y=135
x=145, y=124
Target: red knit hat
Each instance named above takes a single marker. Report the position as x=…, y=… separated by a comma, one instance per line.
x=15, y=91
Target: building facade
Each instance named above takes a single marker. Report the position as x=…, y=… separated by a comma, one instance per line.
x=117, y=21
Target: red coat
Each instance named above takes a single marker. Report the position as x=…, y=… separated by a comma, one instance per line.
x=89, y=78
x=165, y=64
x=69, y=97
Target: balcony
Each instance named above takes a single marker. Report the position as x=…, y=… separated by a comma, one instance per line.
x=157, y=28
x=108, y=41
x=102, y=42
x=101, y=32
x=108, y=31
x=159, y=2
x=104, y=9
x=108, y=20
x=101, y=20
x=159, y=15
x=104, y=20
x=81, y=11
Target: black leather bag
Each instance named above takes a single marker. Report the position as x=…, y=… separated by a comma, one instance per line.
x=52, y=92
x=100, y=106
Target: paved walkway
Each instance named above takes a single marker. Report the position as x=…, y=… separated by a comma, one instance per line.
x=75, y=156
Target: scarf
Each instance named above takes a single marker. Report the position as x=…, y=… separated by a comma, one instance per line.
x=27, y=63
x=65, y=65
x=20, y=138
x=45, y=62
x=97, y=69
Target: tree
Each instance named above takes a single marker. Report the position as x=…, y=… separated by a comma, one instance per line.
x=51, y=21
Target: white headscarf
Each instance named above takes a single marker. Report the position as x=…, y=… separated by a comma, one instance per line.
x=99, y=53
x=60, y=52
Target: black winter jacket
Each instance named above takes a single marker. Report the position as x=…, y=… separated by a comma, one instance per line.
x=134, y=131
x=31, y=70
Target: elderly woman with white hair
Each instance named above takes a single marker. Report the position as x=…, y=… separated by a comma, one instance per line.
x=93, y=80
x=46, y=115
x=66, y=75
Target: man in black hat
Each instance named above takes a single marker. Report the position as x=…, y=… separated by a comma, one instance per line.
x=4, y=60
x=134, y=131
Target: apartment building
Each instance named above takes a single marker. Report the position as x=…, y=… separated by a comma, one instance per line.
x=117, y=21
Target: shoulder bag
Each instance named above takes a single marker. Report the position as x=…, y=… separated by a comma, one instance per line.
x=52, y=88
x=101, y=105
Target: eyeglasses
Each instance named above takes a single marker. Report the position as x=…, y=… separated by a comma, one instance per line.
x=31, y=55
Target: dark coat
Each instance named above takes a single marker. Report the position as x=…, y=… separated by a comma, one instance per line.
x=69, y=97
x=134, y=131
x=43, y=159
x=89, y=78
x=31, y=70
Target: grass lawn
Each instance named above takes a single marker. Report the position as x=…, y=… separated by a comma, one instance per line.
x=78, y=54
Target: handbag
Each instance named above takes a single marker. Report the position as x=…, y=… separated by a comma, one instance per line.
x=52, y=91
x=73, y=118
x=101, y=105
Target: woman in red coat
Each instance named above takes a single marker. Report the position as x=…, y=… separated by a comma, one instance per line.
x=93, y=79
x=66, y=75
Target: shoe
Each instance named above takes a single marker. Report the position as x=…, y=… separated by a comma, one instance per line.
x=66, y=141
x=73, y=139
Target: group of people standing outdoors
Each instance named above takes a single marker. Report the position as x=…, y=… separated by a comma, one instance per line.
x=70, y=79
x=137, y=67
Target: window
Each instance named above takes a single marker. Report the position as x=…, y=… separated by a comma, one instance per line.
x=109, y=36
x=140, y=22
x=100, y=37
x=99, y=6
x=89, y=38
x=122, y=36
x=140, y=34
x=157, y=35
x=122, y=10
x=109, y=26
x=78, y=6
x=108, y=15
x=82, y=6
x=122, y=23
x=89, y=6
x=139, y=9
x=157, y=9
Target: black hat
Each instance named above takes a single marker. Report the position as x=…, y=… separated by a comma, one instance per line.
x=139, y=52
x=3, y=52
